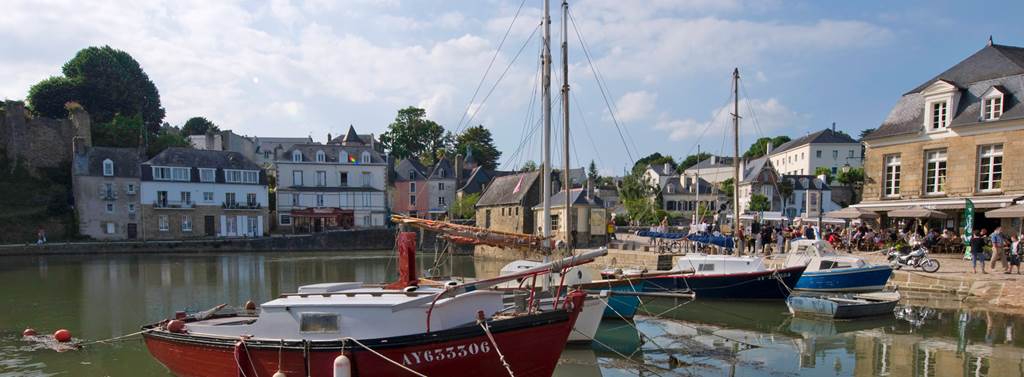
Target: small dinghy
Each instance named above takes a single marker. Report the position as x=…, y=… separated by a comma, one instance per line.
x=843, y=306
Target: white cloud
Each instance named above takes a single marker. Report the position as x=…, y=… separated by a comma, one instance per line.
x=759, y=118
x=634, y=106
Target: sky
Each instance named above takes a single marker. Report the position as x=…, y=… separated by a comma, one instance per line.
x=312, y=68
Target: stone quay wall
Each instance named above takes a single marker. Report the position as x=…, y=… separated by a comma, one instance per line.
x=349, y=240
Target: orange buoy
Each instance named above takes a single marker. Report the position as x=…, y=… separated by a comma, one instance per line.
x=176, y=326
x=250, y=306
x=62, y=335
x=29, y=332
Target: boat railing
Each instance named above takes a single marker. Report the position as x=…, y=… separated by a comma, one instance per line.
x=358, y=293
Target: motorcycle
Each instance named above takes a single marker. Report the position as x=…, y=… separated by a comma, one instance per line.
x=916, y=257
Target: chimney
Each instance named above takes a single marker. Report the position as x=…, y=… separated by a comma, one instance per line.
x=328, y=138
x=209, y=142
x=458, y=171
x=743, y=170
x=769, y=148
x=833, y=127
x=714, y=159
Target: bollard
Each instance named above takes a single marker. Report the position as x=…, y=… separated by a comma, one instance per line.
x=342, y=366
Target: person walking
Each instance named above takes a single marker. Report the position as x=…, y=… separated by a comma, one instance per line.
x=977, y=251
x=999, y=246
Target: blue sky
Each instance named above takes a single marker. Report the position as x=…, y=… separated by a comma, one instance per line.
x=290, y=68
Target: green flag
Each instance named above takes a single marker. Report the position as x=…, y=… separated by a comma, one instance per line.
x=968, y=226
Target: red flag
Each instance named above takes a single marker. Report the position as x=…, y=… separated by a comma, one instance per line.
x=519, y=185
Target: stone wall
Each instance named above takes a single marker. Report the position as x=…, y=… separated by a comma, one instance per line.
x=40, y=143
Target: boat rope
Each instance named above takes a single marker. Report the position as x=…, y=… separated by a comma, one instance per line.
x=279, y=351
x=239, y=348
x=775, y=274
x=633, y=325
x=378, y=354
x=116, y=338
x=639, y=363
x=501, y=356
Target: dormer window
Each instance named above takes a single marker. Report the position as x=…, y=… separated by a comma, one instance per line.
x=992, y=104
x=321, y=156
x=108, y=168
x=343, y=157
x=940, y=111
x=366, y=158
x=296, y=156
x=940, y=104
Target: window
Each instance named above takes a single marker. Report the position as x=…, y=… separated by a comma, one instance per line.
x=296, y=156
x=110, y=207
x=321, y=178
x=935, y=172
x=555, y=222
x=835, y=154
x=161, y=198
x=852, y=152
x=990, y=167
x=412, y=174
x=440, y=201
x=705, y=267
x=171, y=174
x=285, y=220
x=343, y=179
x=412, y=200
x=817, y=154
x=440, y=185
x=207, y=175
x=365, y=158
x=186, y=223
x=108, y=168
x=297, y=178
x=295, y=200
x=891, y=179
x=110, y=228
x=835, y=170
x=108, y=191
x=253, y=226
x=131, y=208
x=241, y=176
x=186, y=198
x=229, y=198
x=939, y=114
x=130, y=189
x=367, y=178
x=250, y=199
x=993, y=109
x=343, y=157
x=163, y=223
x=321, y=156
x=208, y=196
x=266, y=155
x=319, y=200
x=232, y=225
x=412, y=186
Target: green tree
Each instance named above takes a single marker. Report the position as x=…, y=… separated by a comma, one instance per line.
x=822, y=170
x=529, y=165
x=726, y=188
x=704, y=211
x=592, y=172
x=198, y=126
x=639, y=198
x=480, y=142
x=691, y=160
x=48, y=97
x=121, y=131
x=652, y=159
x=760, y=147
x=167, y=137
x=465, y=207
x=413, y=135
x=865, y=132
x=852, y=177
x=759, y=203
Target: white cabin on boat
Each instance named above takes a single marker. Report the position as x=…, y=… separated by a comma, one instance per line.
x=818, y=255
x=703, y=264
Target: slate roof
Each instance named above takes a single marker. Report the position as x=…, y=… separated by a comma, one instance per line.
x=720, y=162
x=478, y=179
x=198, y=158
x=662, y=169
x=681, y=186
x=993, y=65
x=352, y=138
x=442, y=170
x=407, y=166
x=826, y=136
x=578, y=197
x=126, y=162
x=753, y=167
x=269, y=143
x=501, y=191
x=805, y=182
x=331, y=152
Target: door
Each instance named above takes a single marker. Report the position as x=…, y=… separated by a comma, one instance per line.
x=133, y=231
x=208, y=226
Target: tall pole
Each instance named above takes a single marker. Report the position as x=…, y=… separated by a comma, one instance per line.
x=736, y=224
x=546, y=109
x=569, y=224
x=697, y=218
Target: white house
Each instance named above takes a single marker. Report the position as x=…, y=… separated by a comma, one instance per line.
x=189, y=193
x=331, y=186
x=826, y=148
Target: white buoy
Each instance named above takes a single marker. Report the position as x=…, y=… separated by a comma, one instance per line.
x=279, y=374
x=342, y=366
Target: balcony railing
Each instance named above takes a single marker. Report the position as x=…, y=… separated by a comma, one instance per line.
x=166, y=204
x=236, y=205
x=108, y=195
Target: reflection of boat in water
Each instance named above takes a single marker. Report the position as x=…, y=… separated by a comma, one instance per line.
x=843, y=306
x=618, y=337
x=578, y=360
x=819, y=327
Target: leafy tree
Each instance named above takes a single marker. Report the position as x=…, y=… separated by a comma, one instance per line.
x=529, y=166
x=413, y=135
x=759, y=203
x=198, y=126
x=465, y=207
x=592, y=172
x=652, y=159
x=865, y=132
x=480, y=142
x=785, y=191
x=822, y=170
x=704, y=211
x=48, y=97
x=726, y=187
x=760, y=147
x=636, y=196
x=167, y=137
x=852, y=177
x=121, y=131
x=691, y=160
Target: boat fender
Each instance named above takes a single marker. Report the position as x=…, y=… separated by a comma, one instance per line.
x=342, y=367
x=29, y=332
x=176, y=326
x=452, y=283
x=62, y=335
x=279, y=374
x=250, y=306
x=411, y=288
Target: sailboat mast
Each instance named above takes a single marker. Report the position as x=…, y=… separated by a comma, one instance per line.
x=696, y=184
x=737, y=224
x=569, y=224
x=546, y=109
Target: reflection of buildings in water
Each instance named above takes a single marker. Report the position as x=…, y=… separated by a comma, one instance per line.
x=880, y=354
x=578, y=361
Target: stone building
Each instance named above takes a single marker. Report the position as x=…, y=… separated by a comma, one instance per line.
x=683, y=195
x=826, y=148
x=41, y=143
x=506, y=205
x=331, y=186
x=954, y=137
x=797, y=203
x=425, y=192
x=106, y=189
x=714, y=169
x=589, y=217
x=191, y=193
x=269, y=149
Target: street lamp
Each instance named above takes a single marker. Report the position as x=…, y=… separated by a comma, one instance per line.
x=846, y=168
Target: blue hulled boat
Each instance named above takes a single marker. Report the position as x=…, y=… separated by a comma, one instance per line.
x=624, y=306
x=726, y=277
x=828, y=271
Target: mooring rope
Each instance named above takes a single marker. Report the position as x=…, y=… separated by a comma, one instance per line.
x=631, y=324
x=640, y=362
x=120, y=337
x=407, y=369
x=487, y=330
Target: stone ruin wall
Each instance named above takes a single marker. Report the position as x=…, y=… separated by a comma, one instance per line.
x=38, y=142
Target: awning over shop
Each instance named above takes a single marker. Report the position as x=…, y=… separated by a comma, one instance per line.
x=1014, y=211
x=939, y=204
x=321, y=212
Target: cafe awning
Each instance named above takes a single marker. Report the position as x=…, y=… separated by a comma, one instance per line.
x=917, y=213
x=1014, y=211
x=320, y=212
x=980, y=202
x=852, y=213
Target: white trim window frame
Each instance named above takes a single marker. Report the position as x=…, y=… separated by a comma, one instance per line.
x=321, y=178
x=163, y=223
x=321, y=156
x=108, y=168
x=935, y=162
x=186, y=223
x=990, y=168
x=891, y=176
x=207, y=175
x=938, y=115
x=296, y=156
x=992, y=107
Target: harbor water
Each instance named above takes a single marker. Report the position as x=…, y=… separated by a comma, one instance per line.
x=104, y=296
